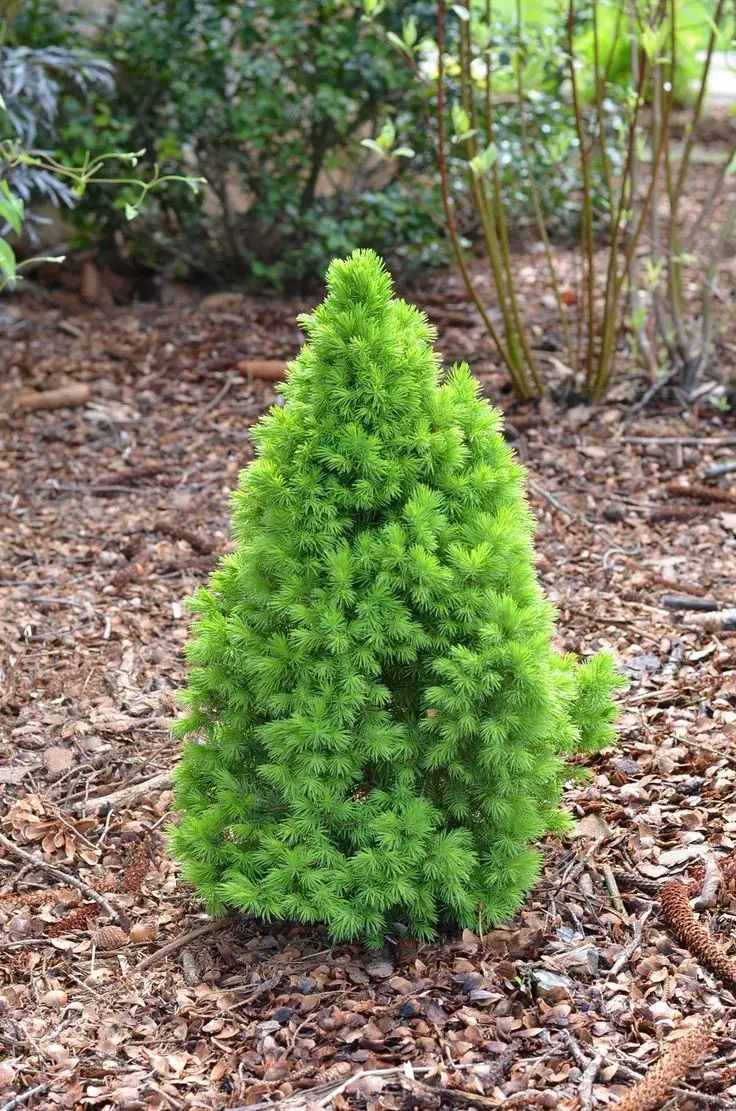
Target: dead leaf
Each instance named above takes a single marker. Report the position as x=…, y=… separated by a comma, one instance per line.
x=672, y=857
x=57, y=760
x=380, y=969
x=592, y=828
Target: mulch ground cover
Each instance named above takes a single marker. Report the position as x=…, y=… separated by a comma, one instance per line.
x=116, y=992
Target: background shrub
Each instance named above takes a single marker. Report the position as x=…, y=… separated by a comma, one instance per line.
x=268, y=101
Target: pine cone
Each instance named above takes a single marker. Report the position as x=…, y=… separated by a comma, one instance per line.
x=127, y=575
x=78, y=920
x=693, y=934
x=194, y=539
x=656, y=1087
x=136, y=872
x=110, y=937
x=66, y=895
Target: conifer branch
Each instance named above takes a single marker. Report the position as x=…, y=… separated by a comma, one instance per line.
x=378, y=727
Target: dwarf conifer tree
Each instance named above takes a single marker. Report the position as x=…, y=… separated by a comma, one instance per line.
x=382, y=722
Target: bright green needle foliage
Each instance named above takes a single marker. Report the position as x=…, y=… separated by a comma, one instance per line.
x=385, y=721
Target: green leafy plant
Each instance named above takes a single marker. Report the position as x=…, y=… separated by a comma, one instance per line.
x=73, y=179
x=31, y=83
x=41, y=64
x=385, y=724
x=615, y=159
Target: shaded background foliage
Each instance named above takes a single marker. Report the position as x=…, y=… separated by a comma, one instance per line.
x=270, y=102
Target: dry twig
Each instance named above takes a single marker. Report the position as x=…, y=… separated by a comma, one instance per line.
x=178, y=943
x=271, y=370
x=630, y=948
x=23, y=1097
x=28, y=401
x=587, y=1080
x=322, y=1095
x=221, y=393
x=701, y=492
x=613, y=890
x=103, y=803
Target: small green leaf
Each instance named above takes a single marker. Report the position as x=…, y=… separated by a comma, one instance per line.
x=484, y=161
x=130, y=212
x=7, y=260
x=8, y=213
x=461, y=12
x=460, y=120
x=11, y=209
x=409, y=32
x=649, y=41
x=404, y=152
x=371, y=144
x=388, y=134
x=398, y=42
x=638, y=317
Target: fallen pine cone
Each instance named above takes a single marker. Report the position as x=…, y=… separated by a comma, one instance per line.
x=136, y=872
x=195, y=540
x=655, y=1088
x=110, y=937
x=77, y=920
x=694, y=936
x=126, y=575
x=66, y=895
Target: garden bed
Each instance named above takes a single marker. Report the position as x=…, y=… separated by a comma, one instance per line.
x=112, y=512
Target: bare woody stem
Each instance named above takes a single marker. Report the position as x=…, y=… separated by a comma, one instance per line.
x=521, y=386
x=689, y=139
x=616, y=279
x=537, y=204
x=587, y=212
x=496, y=241
x=642, y=341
